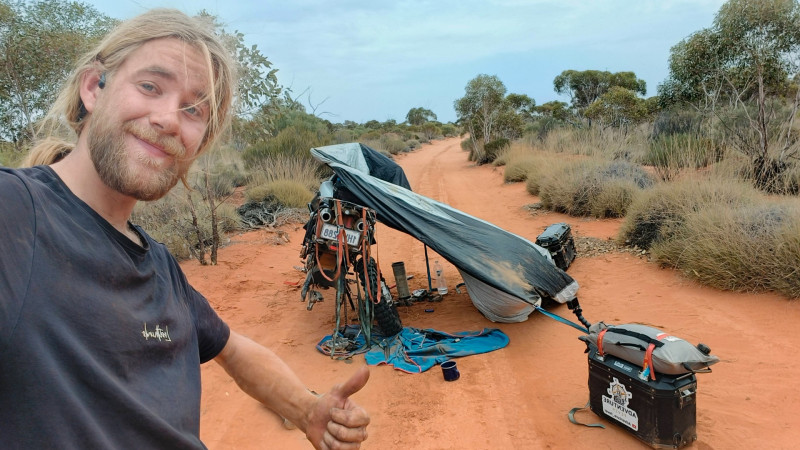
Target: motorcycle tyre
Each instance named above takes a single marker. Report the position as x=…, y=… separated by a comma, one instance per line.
x=386, y=315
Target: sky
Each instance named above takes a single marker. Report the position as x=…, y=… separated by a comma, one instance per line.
x=375, y=60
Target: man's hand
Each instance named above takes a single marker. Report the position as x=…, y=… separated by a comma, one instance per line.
x=336, y=422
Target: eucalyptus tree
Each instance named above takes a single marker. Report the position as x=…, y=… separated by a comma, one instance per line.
x=420, y=115
x=39, y=44
x=584, y=87
x=746, y=62
x=480, y=107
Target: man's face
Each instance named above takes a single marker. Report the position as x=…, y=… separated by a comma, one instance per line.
x=150, y=119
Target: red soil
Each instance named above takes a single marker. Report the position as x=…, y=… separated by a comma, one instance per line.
x=517, y=397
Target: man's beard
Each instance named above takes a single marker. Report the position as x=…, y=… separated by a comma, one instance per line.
x=110, y=157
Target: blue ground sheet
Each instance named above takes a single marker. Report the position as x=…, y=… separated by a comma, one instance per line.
x=414, y=350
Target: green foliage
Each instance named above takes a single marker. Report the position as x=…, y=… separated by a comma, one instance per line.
x=555, y=109
x=487, y=114
x=745, y=63
x=39, y=44
x=617, y=107
x=418, y=116
x=493, y=148
x=482, y=103
x=746, y=247
x=584, y=87
x=449, y=130
x=678, y=121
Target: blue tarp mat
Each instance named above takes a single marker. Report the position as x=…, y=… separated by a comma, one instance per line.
x=416, y=350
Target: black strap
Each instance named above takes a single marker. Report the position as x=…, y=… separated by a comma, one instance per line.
x=572, y=419
x=640, y=336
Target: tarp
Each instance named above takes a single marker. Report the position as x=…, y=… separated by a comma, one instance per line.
x=505, y=274
x=415, y=350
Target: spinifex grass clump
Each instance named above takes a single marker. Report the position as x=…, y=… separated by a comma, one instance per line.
x=290, y=193
x=656, y=214
x=593, y=187
x=743, y=248
x=670, y=154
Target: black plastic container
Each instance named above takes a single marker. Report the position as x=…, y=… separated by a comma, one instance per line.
x=662, y=413
x=557, y=239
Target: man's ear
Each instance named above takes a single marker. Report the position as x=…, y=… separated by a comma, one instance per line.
x=90, y=88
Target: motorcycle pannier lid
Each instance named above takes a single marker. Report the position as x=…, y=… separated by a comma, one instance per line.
x=670, y=355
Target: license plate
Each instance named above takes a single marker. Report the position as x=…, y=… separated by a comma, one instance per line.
x=331, y=232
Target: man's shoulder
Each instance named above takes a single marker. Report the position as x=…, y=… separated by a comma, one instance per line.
x=25, y=176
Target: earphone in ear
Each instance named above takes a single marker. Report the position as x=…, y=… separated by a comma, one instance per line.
x=102, y=83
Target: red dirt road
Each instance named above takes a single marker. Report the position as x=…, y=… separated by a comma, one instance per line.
x=517, y=397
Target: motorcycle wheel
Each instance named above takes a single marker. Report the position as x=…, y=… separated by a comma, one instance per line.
x=386, y=315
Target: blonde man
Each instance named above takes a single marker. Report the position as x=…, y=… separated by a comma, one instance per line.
x=101, y=336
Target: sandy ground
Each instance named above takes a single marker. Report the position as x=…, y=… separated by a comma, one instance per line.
x=517, y=397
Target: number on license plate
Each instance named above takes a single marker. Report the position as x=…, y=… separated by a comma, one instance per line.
x=331, y=232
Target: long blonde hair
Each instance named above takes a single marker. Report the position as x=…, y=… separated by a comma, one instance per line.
x=112, y=51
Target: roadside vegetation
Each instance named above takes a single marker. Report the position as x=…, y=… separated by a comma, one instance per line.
x=704, y=175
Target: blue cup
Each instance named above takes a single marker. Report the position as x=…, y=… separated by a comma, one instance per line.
x=450, y=371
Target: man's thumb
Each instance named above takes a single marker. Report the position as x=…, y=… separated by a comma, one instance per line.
x=353, y=384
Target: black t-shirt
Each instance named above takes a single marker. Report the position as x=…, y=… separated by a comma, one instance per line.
x=101, y=340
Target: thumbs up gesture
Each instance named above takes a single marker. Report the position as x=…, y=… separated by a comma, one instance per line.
x=336, y=421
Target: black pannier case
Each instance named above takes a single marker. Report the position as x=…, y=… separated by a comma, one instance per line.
x=557, y=239
x=662, y=413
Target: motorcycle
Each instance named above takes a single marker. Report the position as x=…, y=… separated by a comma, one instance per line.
x=336, y=251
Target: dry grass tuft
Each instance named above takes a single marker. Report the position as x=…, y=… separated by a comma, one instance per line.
x=745, y=248
x=592, y=187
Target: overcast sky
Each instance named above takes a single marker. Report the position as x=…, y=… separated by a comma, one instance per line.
x=364, y=60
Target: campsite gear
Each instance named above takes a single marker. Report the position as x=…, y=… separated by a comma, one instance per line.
x=441, y=283
x=484, y=254
x=339, y=236
x=450, y=371
x=652, y=349
x=401, y=280
x=660, y=412
x=557, y=239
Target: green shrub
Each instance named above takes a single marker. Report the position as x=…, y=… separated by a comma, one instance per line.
x=343, y=136
x=412, y=144
x=449, y=130
x=393, y=144
x=493, y=148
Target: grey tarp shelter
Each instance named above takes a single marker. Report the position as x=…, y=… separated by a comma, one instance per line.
x=506, y=275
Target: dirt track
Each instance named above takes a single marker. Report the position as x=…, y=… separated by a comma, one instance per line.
x=517, y=397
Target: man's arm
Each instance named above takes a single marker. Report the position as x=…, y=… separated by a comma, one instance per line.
x=331, y=421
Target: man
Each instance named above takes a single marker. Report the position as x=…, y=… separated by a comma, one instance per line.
x=101, y=336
